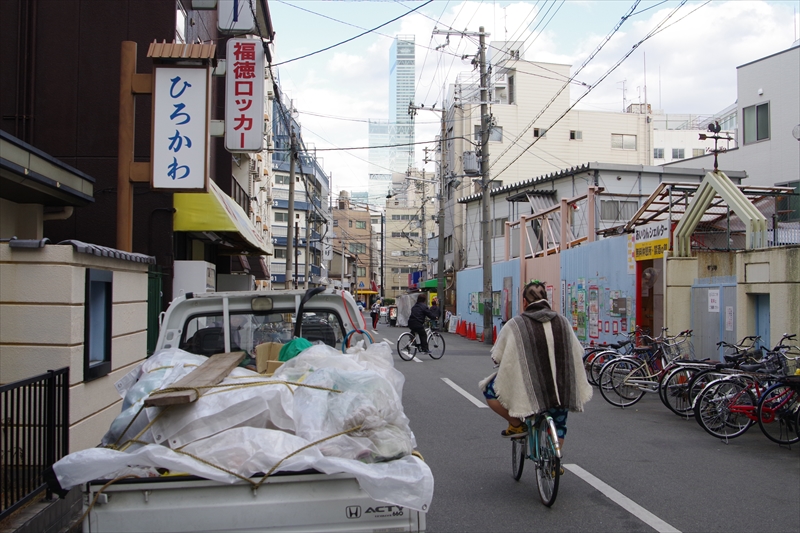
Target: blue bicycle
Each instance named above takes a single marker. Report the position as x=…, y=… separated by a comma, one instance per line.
x=541, y=446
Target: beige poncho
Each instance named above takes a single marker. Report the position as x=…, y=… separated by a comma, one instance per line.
x=528, y=348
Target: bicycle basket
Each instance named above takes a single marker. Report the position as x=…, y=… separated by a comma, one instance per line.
x=679, y=350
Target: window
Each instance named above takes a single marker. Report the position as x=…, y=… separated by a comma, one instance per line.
x=280, y=253
x=539, y=132
x=349, y=223
x=180, y=23
x=361, y=224
x=756, y=123
x=575, y=135
x=511, y=99
x=448, y=244
x=677, y=153
x=499, y=227
x=335, y=223
x=281, y=217
x=375, y=220
x=495, y=134
x=97, y=324
x=395, y=217
x=614, y=210
x=281, y=179
x=357, y=248
x=697, y=152
x=658, y=153
x=361, y=271
x=623, y=142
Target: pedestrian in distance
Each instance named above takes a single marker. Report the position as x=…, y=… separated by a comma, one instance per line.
x=435, y=310
x=540, y=367
x=416, y=321
x=375, y=313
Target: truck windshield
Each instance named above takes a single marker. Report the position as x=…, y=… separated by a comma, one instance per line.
x=204, y=335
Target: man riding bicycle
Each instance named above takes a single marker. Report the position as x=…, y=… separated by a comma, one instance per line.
x=416, y=321
x=541, y=367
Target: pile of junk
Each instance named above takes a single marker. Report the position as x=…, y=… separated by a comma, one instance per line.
x=322, y=410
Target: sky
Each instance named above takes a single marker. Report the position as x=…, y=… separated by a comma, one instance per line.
x=690, y=60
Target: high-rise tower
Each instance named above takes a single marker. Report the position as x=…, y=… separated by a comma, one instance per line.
x=399, y=130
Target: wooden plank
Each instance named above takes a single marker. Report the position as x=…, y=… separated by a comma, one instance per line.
x=212, y=371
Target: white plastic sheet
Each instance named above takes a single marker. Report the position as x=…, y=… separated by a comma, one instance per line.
x=247, y=430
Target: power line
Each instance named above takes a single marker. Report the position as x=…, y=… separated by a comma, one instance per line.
x=352, y=38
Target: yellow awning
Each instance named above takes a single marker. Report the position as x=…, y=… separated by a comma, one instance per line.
x=366, y=291
x=216, y=212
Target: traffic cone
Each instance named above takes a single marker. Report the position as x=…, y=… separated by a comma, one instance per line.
x=473, y=336
x=469, y=331
x=460, y=329
x=483, y=334
x=494, y=334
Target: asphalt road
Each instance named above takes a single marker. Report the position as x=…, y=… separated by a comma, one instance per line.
x=638, y=469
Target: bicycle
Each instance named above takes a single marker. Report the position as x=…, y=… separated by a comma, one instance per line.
x=541, y=446
x=408, y=345
x=761, y=393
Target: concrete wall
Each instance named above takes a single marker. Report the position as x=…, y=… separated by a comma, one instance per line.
x=42, y=294
x=774, y=271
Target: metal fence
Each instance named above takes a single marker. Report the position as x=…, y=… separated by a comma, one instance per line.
x=34, y=434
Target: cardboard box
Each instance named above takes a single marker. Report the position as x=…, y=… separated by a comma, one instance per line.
x=272, y=366
x=266, y=353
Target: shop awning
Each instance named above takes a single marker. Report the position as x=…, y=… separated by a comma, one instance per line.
x=429, y=284
x=222, y=220
x=366, y=291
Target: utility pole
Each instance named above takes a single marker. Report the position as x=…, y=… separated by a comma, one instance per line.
x=486, y=217
x=289, y=223
x=309, y=217
x=296, y=275
x=383, y=254
x=485, y=214
x=440, y=218
x=424, y=225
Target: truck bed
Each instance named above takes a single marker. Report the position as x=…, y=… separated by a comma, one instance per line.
x=304, y=502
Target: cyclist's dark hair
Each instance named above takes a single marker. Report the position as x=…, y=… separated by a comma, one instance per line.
x=534, y=291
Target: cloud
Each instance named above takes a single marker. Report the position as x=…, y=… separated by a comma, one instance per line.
x=691, y=64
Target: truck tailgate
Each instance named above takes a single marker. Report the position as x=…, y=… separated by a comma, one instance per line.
x=295, y=503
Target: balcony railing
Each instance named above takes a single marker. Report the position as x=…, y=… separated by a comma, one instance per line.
x=34, y=434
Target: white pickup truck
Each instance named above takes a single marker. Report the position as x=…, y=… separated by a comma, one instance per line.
x=308, y=501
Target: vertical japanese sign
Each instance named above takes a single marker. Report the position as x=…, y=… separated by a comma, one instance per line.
x=236, y=16
x=180, y=128
x=244, y=96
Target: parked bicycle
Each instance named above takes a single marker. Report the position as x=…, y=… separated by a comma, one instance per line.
x=408, y=345
x=729, y=406
x=541, y=446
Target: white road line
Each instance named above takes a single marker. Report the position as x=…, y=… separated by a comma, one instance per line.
x=623, y=501
x=416, y=359
x=387, y=341
x=465, y=394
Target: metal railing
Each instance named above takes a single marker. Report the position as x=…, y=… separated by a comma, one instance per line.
x=34, y=434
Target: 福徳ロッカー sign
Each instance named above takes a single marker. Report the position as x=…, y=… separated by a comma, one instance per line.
x=244, y=96
x=652, y=240
x=180, y=128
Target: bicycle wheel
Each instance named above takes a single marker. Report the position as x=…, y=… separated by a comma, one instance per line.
x=777, y=413
x=617, y=382
x=722, y=408
x=548, y=464
x=436, y=345
x=700, y=380
x=405, y=346
x=519, y=448
x=674, y=391
x=598, y=363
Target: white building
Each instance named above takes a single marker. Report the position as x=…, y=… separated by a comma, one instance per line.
x=768, y=110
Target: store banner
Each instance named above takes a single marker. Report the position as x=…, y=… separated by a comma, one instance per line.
x=652, y=240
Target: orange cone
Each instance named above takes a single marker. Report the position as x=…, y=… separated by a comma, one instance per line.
x=494, y=334
x=469, y=331
x=483, y=333
x=461, y=328
x=474, y=335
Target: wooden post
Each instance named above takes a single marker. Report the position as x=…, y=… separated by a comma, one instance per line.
x=128, y=171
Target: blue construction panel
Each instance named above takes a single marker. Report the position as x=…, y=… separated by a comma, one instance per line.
x=595, y=282
x=469, y=285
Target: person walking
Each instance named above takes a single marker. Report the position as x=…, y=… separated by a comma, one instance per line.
x=540, y=367
x=375, y=313
x=416, y=322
